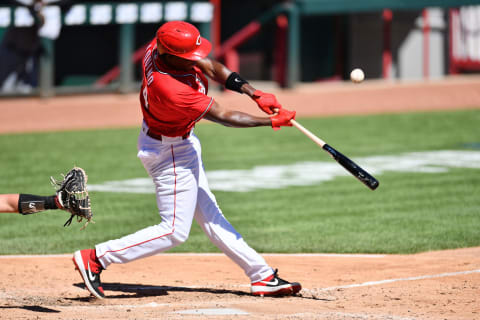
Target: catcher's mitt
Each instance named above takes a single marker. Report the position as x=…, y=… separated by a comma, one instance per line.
x=73, y=196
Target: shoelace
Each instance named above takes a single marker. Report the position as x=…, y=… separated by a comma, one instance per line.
x=275, y=275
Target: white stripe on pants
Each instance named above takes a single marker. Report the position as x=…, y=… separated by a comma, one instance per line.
x=182, y=192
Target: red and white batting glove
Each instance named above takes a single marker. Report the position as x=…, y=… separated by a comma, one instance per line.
x=282, y=119
x=266, y=101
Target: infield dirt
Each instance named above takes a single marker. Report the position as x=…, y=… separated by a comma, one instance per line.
x=432, y=285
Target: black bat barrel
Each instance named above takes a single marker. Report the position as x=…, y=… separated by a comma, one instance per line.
x=357, y=171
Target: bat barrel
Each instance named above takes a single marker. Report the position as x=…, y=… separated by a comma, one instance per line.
x=357, y=171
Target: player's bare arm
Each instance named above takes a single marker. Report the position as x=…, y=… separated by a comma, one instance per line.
x=238, y=119
x=233, y=81
x=220, y=73
x=214, y=70
x=9, y=203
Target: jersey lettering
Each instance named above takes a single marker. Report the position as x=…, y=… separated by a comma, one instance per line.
x=148, y=63
x=201, y=86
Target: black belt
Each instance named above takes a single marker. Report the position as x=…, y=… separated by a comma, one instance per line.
x=159, y=136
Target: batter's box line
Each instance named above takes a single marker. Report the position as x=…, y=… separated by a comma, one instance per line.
x=315, y=292
x=347, y=315
x=170, y=305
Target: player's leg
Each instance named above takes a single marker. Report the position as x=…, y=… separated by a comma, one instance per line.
x=264, y=281
x=211, y=219
x=176, y=191
x=27, y=203
x=10, y=64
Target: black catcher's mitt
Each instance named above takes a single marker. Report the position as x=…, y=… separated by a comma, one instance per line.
x=73, y=195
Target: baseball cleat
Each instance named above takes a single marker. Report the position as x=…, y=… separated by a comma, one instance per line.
x=275, y=286
x=90, y=271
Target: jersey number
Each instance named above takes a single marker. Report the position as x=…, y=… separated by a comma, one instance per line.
x=145, y=97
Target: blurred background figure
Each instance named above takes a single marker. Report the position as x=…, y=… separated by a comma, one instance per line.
x=20, y=51
x=21, y=44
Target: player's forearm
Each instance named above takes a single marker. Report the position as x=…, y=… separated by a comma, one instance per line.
x=220, y=73
x=248, y=89
x=214, y=70
x=238, y=119
x=9, y=203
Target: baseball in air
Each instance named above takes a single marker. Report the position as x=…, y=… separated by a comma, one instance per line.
x=357, y=75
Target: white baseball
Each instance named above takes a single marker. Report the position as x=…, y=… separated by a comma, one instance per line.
x=357, y=75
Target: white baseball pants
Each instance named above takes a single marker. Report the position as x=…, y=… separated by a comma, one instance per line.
x=182, y=191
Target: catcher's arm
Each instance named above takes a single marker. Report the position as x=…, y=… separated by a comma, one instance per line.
x=9, y=203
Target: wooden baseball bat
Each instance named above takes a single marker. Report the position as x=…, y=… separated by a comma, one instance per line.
x=357, y=171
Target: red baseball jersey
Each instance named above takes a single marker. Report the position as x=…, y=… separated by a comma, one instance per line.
x=172, y=101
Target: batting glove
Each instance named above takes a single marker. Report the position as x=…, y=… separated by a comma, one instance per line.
x=266, y=101
x=282, y=119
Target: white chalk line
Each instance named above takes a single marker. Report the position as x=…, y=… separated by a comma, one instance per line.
x=213, y=312
x=347, y=315
x=374, y=283
x=339, y=255
x=152, y=305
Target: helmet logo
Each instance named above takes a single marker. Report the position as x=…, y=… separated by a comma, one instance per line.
x=199, y=40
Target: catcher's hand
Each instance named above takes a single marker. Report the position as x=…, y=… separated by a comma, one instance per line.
x=73, y=196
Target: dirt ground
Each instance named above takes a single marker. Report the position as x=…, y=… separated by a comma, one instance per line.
x=432, y=285
x=316, y=99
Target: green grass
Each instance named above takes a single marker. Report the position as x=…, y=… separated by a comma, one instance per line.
x=410, y=212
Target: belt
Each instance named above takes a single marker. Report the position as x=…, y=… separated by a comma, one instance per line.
x=159, y=136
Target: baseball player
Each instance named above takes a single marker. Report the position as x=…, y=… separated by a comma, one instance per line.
x=71, y=195
x=173, y=99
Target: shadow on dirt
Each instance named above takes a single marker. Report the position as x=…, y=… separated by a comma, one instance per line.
x=31, y=308
x=139, y=290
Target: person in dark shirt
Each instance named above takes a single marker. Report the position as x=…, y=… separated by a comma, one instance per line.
x=20, y=49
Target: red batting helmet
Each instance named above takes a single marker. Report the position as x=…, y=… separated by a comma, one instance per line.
x=183, y=40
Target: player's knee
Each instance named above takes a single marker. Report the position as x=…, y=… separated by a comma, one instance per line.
x=179, y=237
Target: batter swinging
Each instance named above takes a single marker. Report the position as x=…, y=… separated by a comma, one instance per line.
x=173, y=99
